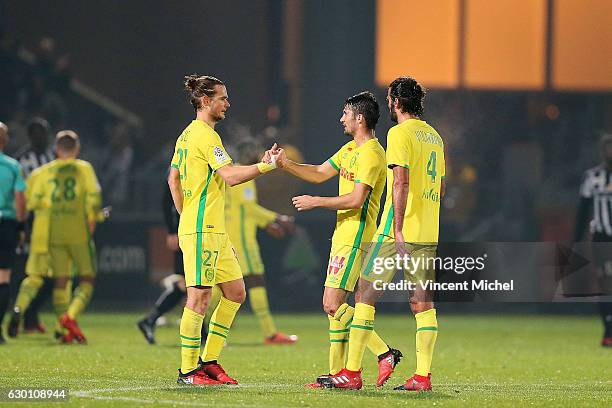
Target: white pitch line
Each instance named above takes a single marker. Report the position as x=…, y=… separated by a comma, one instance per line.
x=219, y=387
x=91, y=394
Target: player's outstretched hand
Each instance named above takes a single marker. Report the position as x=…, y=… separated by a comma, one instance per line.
x=275, y=230
x=304, y=202
x=287, y=222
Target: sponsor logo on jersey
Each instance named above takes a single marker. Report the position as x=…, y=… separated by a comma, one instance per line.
x=350, y=176
x=431, y=195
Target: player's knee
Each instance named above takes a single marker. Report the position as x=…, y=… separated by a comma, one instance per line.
x=237, y=296
x=60, y=283
x=420, y=307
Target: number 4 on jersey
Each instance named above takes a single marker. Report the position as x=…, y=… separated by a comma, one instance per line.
x=431, y=166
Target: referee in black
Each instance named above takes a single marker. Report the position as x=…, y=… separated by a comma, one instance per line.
x=595, y=211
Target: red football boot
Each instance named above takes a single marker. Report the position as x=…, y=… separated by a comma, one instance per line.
x=346, y=379
x=607, y=341
x=65, y=338
x=196, y=377
x=281, y=338
x=72, y=326
x=320, y=382
x=216, y=372
x=386, y=364
x=416, y=383
x=37, y=328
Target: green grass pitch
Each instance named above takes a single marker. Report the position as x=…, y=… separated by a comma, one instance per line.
x=479, y=361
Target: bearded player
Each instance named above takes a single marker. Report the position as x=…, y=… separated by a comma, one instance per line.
x=408, y=227
x=361, y=166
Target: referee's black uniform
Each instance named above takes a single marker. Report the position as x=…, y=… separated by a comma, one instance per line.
x=595, y=210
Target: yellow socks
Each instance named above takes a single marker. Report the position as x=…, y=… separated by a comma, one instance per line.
x=362, y=327
x=61, y=300
x=426, y=334
x=258, y=297
x=338, y=339
x=27, y=291
x=191, y=327
x=80, y=300
x=376, y=345
x=220, y=323
x=215, y=297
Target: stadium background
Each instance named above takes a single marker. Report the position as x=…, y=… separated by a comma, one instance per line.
x=521, y=95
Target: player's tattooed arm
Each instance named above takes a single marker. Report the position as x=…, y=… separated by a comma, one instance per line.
x=400, y=198
x=352, y=200
x=174, y=183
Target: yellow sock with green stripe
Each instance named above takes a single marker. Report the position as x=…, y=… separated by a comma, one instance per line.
x=258, y=297
x=376, y=345
x=362, y=328
x=191, y=327
x=215, y=297
x=61, y=300
x=426, y=335
x=338, y=341
x=27, y=291
x=80, y=300
x=220, y=324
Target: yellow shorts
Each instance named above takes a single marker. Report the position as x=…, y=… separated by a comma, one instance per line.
x=380, y=262
x=66, y=258
x=209, y=259
x=343, y=267
x=38, y=264
x=250, y=261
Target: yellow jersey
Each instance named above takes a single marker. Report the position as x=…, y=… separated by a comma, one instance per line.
x=417, y=146
x=198, y=154
x=364, y=164
x=65, y=195
x=243, y=216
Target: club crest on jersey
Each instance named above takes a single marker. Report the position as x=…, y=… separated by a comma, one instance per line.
x=220, y=154
x=335, y=264
x=209, y=274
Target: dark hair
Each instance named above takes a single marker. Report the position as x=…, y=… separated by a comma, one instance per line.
x=364, y=103
x=199, y=85
x=67, y=140
x=409, y=93
x=38, y=124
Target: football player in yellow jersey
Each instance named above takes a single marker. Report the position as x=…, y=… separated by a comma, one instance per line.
x=66, y=198
x=243, y=215
x=200, y=170
x=361, y=166
x=408, y=227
